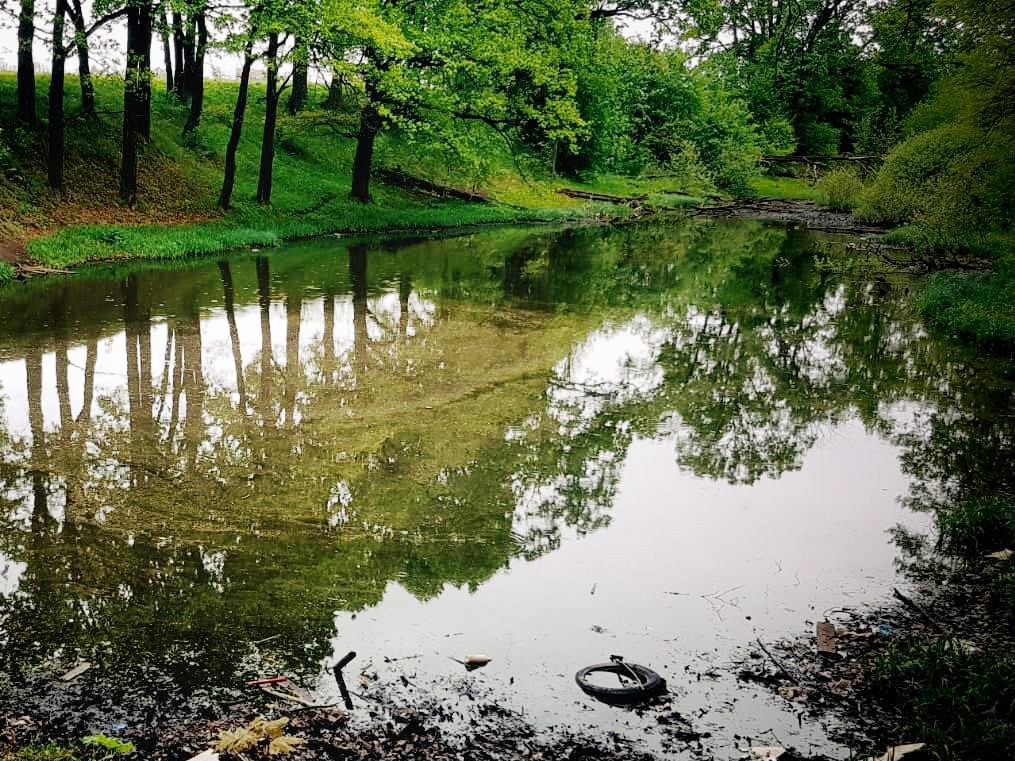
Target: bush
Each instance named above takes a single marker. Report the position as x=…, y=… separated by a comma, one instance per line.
x=953, y=180
x=841, y=189
x=977, y=305
x=6, y=273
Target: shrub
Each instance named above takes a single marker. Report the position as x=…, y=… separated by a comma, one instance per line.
x=953, y=180
x=841, y=189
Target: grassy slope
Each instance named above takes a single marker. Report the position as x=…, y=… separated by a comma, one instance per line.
x=180, y=179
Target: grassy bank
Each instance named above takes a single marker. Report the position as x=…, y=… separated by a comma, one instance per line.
x=180, y=178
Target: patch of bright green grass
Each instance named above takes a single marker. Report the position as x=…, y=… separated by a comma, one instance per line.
x=6, y=273
x=785, y=188
x=250, y=225
x=49, y=752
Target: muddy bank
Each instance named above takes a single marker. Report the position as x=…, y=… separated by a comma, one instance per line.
x=839, y=670
x=164, y=726
x=806, y=214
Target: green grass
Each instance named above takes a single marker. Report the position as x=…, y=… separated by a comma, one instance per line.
x=785, y=188
x=6, y=273
x=49, y=752
x=977, y=306
x=180, y=179
x=960, y=703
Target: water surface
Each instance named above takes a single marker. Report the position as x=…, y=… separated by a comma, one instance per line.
x=547, y=446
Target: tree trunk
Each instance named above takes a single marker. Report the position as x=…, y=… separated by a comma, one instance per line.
x=56, y=121
x=197, y=85
x=178, y=74
x=167, y=53
x=334, y=99
x=270, y=117
x=188, y=58
x=26, y=64
x=301, y=65
x=84, y=67
x=369, y=124
x=134, y=94
x=229, y=176
x=145, y=104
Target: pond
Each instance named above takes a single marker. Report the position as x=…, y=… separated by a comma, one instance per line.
x=542, y=445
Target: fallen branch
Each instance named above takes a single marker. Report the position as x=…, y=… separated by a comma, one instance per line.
x=920, y=611
x=777, y=662
x=605, y=197
x=406, y=180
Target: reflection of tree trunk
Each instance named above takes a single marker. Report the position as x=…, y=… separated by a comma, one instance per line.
x=130, y=321
x=167, y=360
x=193, y=425
x=234, y=333
x=329, y=336
x=88, y=394
x=178, y=382
x=358, y=276
x=33, y=378
x=292, y=354
x=404, y=291
x=62, y=361
x=264, y=300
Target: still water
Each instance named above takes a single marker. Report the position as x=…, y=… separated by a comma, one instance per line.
x=546, y=446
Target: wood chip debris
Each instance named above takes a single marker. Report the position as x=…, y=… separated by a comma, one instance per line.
x=826, y=638
x=77, y=671
x=897, y=752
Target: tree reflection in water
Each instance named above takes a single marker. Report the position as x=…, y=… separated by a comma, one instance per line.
x=437, y=409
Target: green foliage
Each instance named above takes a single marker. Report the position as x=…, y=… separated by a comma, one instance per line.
x=646, y=108
x=958, y=702
x=840, y=189
x=980, y=306
x=117, y=746
x=978, y=525
x=6, y=273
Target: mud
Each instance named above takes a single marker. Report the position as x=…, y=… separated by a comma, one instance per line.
x=806, y=214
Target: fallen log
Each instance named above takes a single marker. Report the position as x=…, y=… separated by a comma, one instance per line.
x=405, y=180
x=605, y=197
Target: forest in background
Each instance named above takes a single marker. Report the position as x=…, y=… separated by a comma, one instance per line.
x=505, y=101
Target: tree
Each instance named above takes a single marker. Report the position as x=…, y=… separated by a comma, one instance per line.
x=56, y=91
x=136, y=94
x=196, y=87
x=26, y=64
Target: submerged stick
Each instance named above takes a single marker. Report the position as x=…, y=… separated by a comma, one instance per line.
x=913, y=606
x=777, y=662
x=346, y=697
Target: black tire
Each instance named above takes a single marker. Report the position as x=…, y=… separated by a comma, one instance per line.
x=651, y=684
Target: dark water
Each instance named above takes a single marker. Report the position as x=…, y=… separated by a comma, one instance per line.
x=544, y=446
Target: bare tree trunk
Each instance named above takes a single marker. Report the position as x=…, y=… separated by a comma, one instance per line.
x=229, y=175
x=179, y=73
x=26, y=64
x=56, y=120
x=334, y=99
x=84, y=68
x=301, y=64
x=369, y=124
x=167, y=53
x=270, y=117
x=136, y=89
x=197, y=84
